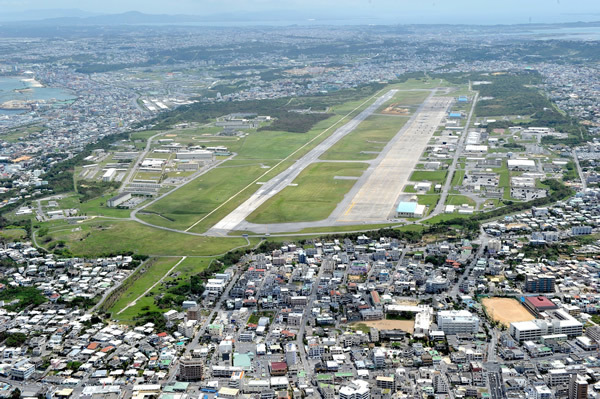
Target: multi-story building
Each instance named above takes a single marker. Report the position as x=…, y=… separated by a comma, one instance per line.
x=378, y=358
x=190, y=369
x=558, y=377
x=562, y=323
x=440, y=384
x=542, y=392
x=578, y=387
x=525, y=331
x=539, y=283
x=357, y=389
x=457, y=321
x=291, y=354
x=22, y=370
x=386, y=382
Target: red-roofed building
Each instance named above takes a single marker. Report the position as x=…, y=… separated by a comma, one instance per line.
x=287, y=334
x=539, y=304
x=375, y=298
x=162, y=335
x=93, y=346
x=279, y=368
x=107, y=349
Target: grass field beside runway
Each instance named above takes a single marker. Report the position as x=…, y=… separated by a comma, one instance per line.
x=193, y=202
x=314, y=198
x=438, y=176
x=405, y=98
x=367, y=140
x=100, y=237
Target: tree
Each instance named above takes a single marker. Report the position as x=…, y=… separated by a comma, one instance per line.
x=16, y=394
x=15, y=340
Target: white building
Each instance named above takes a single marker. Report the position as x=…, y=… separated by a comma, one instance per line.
x=378, y=358
x=521, y=164
x=118, y=200
x=542, y=392
x=199, y=155
x=291, y=354
x=109, y=174
x=525, y=331
x=357, y=389
x=561, y=323
x=457, y=321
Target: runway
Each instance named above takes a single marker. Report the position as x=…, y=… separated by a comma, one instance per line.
x=382, y=185
x=279, y=182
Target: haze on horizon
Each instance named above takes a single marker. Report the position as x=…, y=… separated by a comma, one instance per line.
x=372, y=11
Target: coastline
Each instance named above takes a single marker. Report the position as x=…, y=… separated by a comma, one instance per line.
x=32, y=83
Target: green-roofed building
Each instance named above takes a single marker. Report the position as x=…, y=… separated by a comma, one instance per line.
x=242, y=360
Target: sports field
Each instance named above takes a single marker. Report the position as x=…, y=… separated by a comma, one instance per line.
x=506, y=310
x=314, y=195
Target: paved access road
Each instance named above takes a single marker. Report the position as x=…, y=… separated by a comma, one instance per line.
x=281, y=181
x=441, y=205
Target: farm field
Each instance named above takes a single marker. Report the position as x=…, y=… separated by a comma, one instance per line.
x=367, y=140
x=314, y=198
x=506, y=310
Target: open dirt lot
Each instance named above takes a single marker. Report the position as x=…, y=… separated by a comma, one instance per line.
x=396, y=109
x=404, y=325
x=506, y=310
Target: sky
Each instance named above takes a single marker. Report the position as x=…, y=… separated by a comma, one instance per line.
x=395, y=11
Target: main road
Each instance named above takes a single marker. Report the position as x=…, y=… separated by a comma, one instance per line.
x=281, y=181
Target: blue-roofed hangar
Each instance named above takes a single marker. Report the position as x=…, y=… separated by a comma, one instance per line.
x=410, y=210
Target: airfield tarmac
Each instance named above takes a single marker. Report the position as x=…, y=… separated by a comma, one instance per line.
x=279, y=182
x=382, y=184
x=374, y=197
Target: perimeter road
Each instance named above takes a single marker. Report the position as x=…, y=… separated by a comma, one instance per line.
x=581, y=176
x=441, y=205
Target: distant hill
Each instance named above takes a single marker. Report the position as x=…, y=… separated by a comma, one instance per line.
x=61, y=18
x=38, y=15
x=78, y=18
